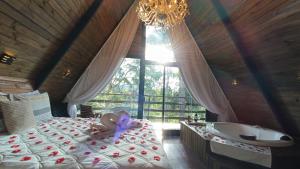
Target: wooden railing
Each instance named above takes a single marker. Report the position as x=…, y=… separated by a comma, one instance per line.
x=152, y=105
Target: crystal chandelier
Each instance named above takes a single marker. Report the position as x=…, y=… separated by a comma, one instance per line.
x=162, y=13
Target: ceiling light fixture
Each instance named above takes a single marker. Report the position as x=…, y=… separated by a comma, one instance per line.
x=7, y=58
x=162, y=13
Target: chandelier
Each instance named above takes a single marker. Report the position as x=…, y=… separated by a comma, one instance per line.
x=162, y=13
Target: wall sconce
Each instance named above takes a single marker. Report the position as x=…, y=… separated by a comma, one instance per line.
x=67, y=73
x=235, y=82
x=7, y=59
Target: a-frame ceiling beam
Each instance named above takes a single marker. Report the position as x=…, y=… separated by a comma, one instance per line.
x=67, y=43
x=266, y=88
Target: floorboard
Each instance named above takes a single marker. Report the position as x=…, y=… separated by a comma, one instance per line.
x=181, y=157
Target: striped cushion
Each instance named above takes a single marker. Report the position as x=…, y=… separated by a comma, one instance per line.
x=18, y=115
x=3, y=98
x=40, y=105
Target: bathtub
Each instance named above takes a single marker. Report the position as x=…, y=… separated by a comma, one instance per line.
x=254, y=135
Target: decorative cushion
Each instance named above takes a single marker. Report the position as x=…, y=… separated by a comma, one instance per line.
x=18, y=115
x=3, y=98
x=40, y=105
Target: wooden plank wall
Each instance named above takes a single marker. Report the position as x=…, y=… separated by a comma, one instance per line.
x=270, y=30
x=14, y=85
x=85, y=47
x=33, y=29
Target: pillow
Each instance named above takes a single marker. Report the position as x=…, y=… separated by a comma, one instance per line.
x=18, y=115
x=40, y=106
x=3, y=98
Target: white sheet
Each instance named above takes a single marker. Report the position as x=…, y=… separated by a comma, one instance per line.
x=66, y=143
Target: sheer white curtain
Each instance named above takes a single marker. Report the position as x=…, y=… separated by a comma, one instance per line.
x=197, y=74
x=106, y=62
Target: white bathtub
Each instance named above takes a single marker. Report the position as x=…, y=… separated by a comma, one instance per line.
x=250, y=134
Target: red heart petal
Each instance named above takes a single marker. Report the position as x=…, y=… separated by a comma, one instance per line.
x=157, y=158
x=54, y=153
x=154, y=148
x=87, y=153
x=12, y=137
x=131, y=159
x=96, y=160
x=116, y=154
x=48, y=147
x=11, y=141
x=26, y=158
x=16, y=151
x=103, y=147
x=67, y=142
x=38, y=142
x=60, y=160
x=14, y=146
x=72, y=148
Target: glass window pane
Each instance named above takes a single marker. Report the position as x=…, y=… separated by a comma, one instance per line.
x=179, y=104
x=158, y=46
x=153, y=92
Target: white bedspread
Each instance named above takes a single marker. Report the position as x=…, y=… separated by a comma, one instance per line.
x=67, y=143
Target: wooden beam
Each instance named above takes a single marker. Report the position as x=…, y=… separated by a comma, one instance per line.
x=141, y=98
x=67, y=43
x=264, y=85
x=14, y=85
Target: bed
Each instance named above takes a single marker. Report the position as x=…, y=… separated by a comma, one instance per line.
x=67, y=143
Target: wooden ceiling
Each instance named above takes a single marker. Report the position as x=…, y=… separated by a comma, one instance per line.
x=85, y=47
x=33, y=29
x=268, y=31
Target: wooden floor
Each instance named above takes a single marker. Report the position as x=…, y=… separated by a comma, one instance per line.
x=180, y=157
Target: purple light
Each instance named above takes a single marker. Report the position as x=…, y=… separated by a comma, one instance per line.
x=121, y=126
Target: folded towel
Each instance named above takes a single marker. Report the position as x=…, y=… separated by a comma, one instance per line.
x=112, y=123
x=125, y=122
x=109, y=120
x=133, y=123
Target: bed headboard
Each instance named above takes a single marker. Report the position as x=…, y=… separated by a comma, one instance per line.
x=14, y=85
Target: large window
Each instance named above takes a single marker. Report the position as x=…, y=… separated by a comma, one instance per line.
x=165, y=98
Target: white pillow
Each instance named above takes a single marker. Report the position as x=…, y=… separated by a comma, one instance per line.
x=3, y=98
x=40, y=105
x=18, y=116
